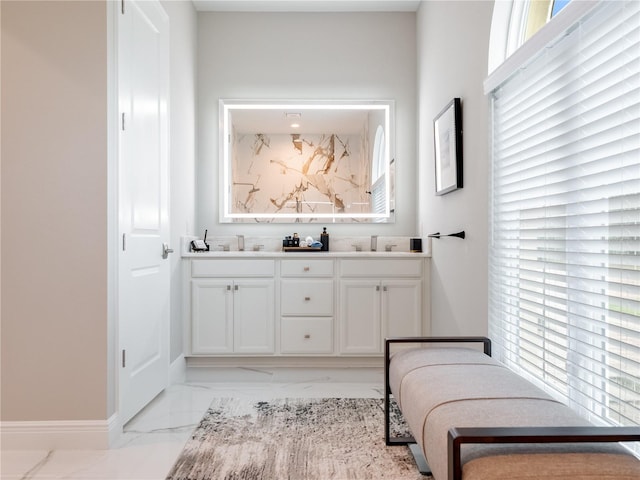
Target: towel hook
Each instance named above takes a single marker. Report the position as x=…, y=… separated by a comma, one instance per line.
x=457, y=234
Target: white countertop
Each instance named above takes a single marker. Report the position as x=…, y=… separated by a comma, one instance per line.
x=320, y=254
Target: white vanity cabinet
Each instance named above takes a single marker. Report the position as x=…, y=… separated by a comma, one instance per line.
x=232, y=307
x=379, y=298
x=307, y=306
x=304, y=306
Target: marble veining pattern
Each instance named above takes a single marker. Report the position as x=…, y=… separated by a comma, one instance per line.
x=300, y=173
x=152, y=441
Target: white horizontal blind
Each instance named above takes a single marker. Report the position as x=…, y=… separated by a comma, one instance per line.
x=379, y=197
x=378, y=176
x=565, y=216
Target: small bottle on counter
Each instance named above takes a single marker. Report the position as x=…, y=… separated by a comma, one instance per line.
x=324, y=239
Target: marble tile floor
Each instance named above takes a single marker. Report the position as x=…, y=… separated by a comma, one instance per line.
x=153, y=439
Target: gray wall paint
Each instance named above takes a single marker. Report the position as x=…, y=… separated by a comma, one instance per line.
x=453, y=41
x=54, y=211
x=332, y=56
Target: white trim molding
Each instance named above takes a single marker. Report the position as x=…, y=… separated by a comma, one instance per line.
x=178, y=371
x=59, y=434
x=502, y=65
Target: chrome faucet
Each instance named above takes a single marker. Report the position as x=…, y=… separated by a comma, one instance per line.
x=388, y=247
x=374, y=243
x=240, y=243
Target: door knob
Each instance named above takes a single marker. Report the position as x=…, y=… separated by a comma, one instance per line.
x=166, y=250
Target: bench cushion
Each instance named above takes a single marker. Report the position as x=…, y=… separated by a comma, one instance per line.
x=501, y=413
x=407, y=361
x=551, y=467
x=441, y=388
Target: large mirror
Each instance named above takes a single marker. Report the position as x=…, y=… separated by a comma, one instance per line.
x=306, y=161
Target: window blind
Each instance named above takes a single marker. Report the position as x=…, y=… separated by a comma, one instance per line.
x=378, y=168
x=564, y=268
x=379, y=197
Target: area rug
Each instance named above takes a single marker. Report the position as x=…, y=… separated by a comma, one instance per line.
x=294, y=439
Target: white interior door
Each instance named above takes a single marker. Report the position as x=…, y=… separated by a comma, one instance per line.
x=143, y=289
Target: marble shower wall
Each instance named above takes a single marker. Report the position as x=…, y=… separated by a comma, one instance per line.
x=300, y=173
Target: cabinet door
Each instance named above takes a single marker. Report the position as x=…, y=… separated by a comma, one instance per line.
x=211, y=316
x=360, y=327
x=254, y=325
x=401, y=308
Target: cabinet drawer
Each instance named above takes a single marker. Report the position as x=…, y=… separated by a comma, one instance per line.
x=306, y=268
x=401, y=267
x=306, y=335
x=232, y=268
x=306, y=297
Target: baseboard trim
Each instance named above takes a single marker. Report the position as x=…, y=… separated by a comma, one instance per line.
x=204, y=374
x=115, y=429
x=291, y=362
x=59, y=434
x=178, y=371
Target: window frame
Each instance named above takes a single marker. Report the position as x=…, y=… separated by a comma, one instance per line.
x=555, y=283
x=508, y=52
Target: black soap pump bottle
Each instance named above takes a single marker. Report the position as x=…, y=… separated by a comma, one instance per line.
x=324, y=239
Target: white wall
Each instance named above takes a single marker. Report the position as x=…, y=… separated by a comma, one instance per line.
x=453, y=40
x=306, y=56
x=183, y=25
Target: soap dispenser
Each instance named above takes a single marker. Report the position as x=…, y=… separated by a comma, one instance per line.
x=324, y=239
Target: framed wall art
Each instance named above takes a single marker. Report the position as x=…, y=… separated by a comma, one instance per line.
x=447, y=132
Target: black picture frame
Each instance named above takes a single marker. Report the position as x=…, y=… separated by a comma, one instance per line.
x=447, y=140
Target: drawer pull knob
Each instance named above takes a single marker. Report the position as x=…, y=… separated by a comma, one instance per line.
x=306, y=269
x=307, y=336
x=306, y=299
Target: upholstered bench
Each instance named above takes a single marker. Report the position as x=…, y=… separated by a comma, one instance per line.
x=474, y=419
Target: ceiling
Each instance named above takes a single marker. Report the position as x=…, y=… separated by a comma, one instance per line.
x=306, y=5
x=314, y=121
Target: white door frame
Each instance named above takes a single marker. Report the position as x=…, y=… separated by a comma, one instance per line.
x=113, y=378
x=115, y=421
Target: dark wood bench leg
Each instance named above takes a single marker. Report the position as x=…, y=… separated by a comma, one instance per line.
x=418, y=457
x=387, y=405
x=387, y=389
